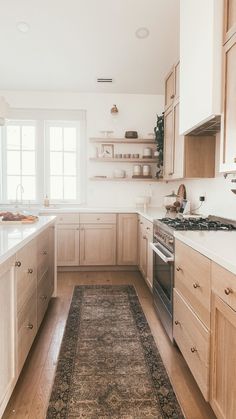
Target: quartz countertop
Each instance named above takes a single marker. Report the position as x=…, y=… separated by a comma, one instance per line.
x=150, y=213
x=14, y=237
x=219, y=246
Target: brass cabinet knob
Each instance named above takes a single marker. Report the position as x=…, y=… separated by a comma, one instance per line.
x=172, y=96
x=30, y=326
x=178, y=268
x=193, y=349
x=30, y=271
x=177, y=322
x=228, y=291
x=45, y=252
x=18, y=263
x=195, y=285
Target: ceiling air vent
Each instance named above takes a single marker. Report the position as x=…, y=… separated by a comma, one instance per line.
x=104, y=80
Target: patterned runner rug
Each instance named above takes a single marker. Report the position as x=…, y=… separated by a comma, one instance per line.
x=109, y=365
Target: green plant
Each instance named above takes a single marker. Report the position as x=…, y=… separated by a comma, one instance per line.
x=159, y=139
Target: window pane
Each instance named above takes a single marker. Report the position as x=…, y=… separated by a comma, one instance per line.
x=13, y=162
x=56, y=167
x=55, y=138
x=12, y=182
x=69, y=188
x=28, y=162
x=28, y=138
x=56, y=187
x=13, y=137
x=28, y=183
x=70, y=139
x=69, y=163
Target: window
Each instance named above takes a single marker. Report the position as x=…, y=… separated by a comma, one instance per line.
x=45, y=154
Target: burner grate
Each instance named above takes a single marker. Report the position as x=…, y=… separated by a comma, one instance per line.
x=205, y=224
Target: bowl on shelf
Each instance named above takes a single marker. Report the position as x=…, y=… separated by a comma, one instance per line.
x=131, y=134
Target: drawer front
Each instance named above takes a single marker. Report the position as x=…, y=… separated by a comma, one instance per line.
x=68, y=218
x=44, y=293
x=224, y=284
x=193, y=339
x=27, y=329
x=193, y=280
x=92, y=218
x=26, y=273
x=43, y=253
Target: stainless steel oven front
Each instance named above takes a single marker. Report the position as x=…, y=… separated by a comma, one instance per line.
x=163, y=284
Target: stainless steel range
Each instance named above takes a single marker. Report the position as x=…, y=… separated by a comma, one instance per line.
x=163, y=258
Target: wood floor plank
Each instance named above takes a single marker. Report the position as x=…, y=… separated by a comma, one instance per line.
x=30, y=397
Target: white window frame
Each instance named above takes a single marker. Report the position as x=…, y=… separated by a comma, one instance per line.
x=42, y=117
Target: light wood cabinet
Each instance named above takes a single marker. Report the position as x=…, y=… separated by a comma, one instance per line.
x=68, y=245
x=149, y=276
x=145, y=237
x=98, y=244
x=172, y=86
x=229, y=19
x=142, y=250
x=127, y=239
x=228, y=142
x=223, y=359
x=7, y=332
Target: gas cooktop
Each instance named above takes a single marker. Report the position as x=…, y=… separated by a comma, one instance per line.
x=210, y=223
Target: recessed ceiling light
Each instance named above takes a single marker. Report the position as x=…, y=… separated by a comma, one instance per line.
x=142, y=33
x=23, y=27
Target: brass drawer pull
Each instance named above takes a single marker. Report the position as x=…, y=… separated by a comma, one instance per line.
x=228, y=291
x=193, y=349
x=178, y=269
x=30, y=271
x=30, y=326
x=18, y=264
x=45, y=252
x=177, y=322
x=195, y=285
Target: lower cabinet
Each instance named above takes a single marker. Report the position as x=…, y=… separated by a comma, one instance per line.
x=127, y=239
x=67, y=245
x=7, y=333
x=98, y=244
x=145, y=236
x=223, y=359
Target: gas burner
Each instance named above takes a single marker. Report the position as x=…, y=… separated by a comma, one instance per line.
x=206, y=224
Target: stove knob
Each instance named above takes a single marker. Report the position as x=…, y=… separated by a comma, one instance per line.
x=171, y=241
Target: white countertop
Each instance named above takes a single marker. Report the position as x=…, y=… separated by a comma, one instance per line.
x=219, y=246
x=151, y=213
x=14, y=237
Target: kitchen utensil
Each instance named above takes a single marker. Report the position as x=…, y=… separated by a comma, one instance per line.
x=170, y=200
x=131, y=134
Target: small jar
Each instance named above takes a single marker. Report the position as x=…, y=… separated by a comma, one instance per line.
x=137, y=169
x=146, y=170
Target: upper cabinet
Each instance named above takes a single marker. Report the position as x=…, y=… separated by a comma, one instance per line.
x=229, y=19
x=228, y=142
x=172, y=86
x=201, y=28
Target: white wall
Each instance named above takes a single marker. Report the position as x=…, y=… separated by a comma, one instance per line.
x=136, y=112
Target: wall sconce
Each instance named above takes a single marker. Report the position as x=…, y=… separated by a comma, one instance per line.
x=114, y=110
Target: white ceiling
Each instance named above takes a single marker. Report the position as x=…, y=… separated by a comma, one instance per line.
x=72, y=42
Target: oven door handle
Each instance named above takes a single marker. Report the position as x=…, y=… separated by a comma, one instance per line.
x=158, y=251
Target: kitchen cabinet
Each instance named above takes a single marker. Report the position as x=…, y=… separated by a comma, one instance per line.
x=68, y=245
x=200, y=62
x=228, y=143
x=145, y=251
x=172, y=86
x=173, y=145
x=98, y=244
x=7, y=332
x=229, y=19
x=223, y=359
x=127, y=239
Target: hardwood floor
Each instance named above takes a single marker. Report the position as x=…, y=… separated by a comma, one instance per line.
x=32, y=391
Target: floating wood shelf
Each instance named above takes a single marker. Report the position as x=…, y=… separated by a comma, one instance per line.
x=124, y=160
x=123, y=140
x=125, y=179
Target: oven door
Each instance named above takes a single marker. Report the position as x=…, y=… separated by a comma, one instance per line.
x=163, y=275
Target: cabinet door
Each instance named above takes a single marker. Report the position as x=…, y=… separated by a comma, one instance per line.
x=223, y=359
x=169, y=89
x=98, y=244
x=229, y=19
x=127, y=239
x=178, y=146
x=228, y=142
x=176, y=74
x=67, y=245
x=7, y=333
x=168, y=144
x=143, y=251
x=149, y=259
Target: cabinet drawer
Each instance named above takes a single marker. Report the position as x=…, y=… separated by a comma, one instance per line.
x=68, y=218
x=44, y=293
x=26, y=273
x=193, y=279
x=27, y=329
x=92, y=218
x=193, y=339
x=224, y=284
